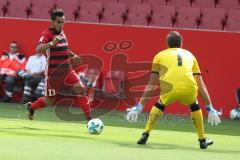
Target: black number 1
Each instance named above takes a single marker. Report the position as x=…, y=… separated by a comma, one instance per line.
x=179, y=57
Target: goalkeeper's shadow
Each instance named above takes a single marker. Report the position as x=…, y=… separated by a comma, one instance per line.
x=173, y=146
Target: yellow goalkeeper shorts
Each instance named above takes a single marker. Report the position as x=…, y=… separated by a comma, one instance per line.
x=184, y=96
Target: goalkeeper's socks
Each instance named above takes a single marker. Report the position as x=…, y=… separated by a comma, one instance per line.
x=39, y=103
x=155, y=114
x=197, y=119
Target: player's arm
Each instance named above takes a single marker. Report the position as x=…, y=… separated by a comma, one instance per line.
x=77, y=59
x=148, y=92
x=72, y=54
x=132, y=115
x=202, y=90
x=42, y=47
x=153, y=82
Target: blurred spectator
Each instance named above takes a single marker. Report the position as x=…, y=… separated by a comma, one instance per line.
x=10, y=63
x=34, y=77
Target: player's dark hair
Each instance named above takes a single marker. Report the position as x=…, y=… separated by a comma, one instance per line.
x=174, y=40
x=56, y=13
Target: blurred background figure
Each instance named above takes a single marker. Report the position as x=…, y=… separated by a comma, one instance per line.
x=34, y=77
x=10, y=63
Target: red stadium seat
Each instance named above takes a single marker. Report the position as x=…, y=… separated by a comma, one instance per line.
x=90, y=4
x=103, y=1
x=187, y=17
x=154, y=2
x=114, y=13
x=41, y=9
x=18, y=9
x=233, y=22
x=106, y=1
x=130, y=1
x=90, y=11
x=40, y=13
x=138, y=14
x=203, y=3
x=43, y=3
x=162, y=16
x=114, y=83
x=70, y=7
x=178, y=3
x=3, y=5
x=213, y=18
x=3, y=2
x=228, y=4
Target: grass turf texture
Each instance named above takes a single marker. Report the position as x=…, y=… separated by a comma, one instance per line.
x=49, y=138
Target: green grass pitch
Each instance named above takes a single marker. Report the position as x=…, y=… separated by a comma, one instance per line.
x=48, y=138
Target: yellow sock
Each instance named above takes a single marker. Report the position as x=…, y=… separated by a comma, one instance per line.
x=155, y=114
x=197, y=119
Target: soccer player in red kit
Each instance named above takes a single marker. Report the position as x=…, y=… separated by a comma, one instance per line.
x=59, y=73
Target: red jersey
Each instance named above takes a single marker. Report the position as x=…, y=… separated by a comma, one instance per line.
x=58, y=59
x=59, y=71
x=60, y=76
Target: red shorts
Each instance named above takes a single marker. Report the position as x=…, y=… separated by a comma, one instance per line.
x=60, y=97
x=61, y=86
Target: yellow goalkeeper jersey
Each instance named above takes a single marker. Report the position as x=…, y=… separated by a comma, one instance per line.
x=176, y=67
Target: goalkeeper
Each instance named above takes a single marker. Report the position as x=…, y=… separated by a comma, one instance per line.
x=179, y=76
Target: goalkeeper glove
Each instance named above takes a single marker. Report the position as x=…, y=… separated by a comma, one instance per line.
x=213, y=118
x=132, y=115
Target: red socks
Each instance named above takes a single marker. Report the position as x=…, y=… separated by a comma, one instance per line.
x=84, y=104
x=38, y=104
x=81, y=101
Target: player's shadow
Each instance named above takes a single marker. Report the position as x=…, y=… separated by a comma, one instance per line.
x=177, y=147
x=32, y=129
x=134, y=145
x=43, y=129
x=130, y=144
x=16, y=131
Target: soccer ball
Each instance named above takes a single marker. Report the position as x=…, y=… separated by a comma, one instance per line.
x=235, y=114
x=95, y=126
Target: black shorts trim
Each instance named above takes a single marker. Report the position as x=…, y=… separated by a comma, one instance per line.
x=159, y=106
x=194, y=107
x=197, y=74
x=155, y=72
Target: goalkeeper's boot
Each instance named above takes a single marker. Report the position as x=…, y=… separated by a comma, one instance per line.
x=204, y=143
x=143, y=139
x=30, y=110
